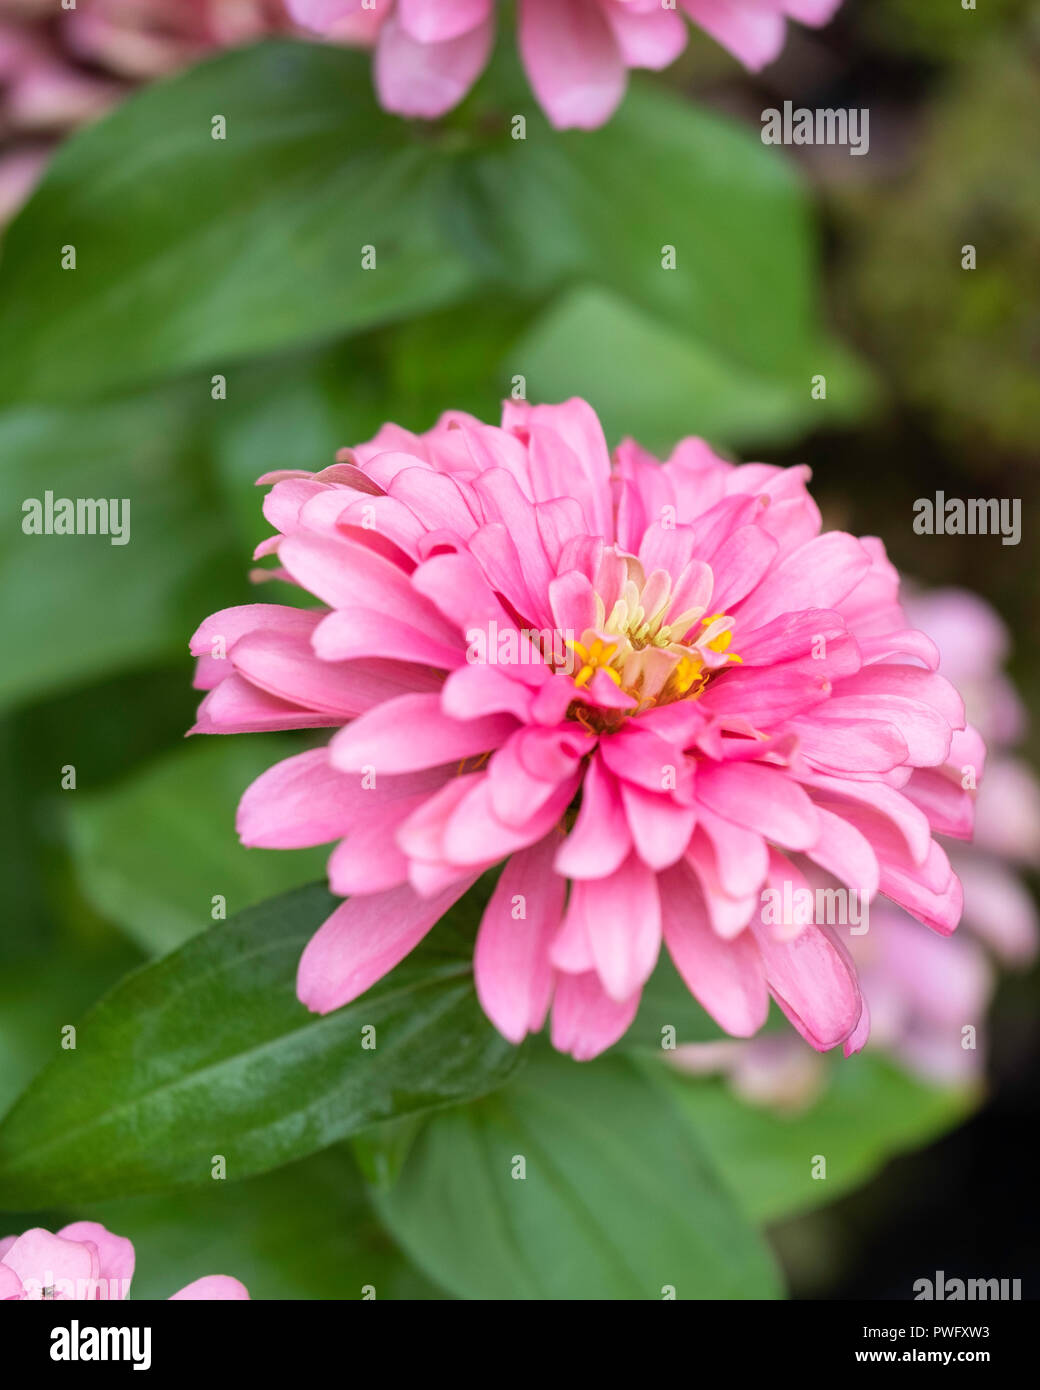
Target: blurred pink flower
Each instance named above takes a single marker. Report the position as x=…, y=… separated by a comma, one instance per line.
x=974, y=645
x=649, y=691
x=428, y=53
x=85, y=1261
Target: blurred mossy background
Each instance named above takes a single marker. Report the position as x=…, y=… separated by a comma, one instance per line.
x=542, y=260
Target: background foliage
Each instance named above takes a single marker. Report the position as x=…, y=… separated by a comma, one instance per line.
x=496, y=258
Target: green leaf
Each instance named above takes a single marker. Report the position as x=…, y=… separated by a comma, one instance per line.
x=603, y=206
x=381, y=1151
x=196, y=250
x=76, y=606
x=647, y=379
x=209, y=1052
x=616, y=1200
x=869, y=1111
x=723, y=344
x=154, y=851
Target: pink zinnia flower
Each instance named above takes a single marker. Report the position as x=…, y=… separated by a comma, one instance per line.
x=85, y=1261
x=428, y=53
x=646, y=691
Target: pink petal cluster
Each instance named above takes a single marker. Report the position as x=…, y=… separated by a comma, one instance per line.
x=84, y=1261
x=60, y=68
x=428, y=53
x=923, y=991
x=647, y=691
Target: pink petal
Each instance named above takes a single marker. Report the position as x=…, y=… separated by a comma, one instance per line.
x=237, y=707
x=585, y=1019
x=286, y=667
x=623, y=922
x=885, y=815
x=572, y=60
x=813, y=983
x=650, y=39
x=949, y=808
x=661, y=828
x=359, y=632
x=729, y=914
x=39, y=1258
x=600, y=840
x=432, y=21
x=753, y=34
x=474, y=834
x=473, y=691
x=511, y=962
x=741, y=857
x=212, y=1287
x=364, y=939
x=761, y=798
x=115, y=1253
x=427, y=79
x=410, y=733
x=300, y=801
x=725, y=977
x=818, y=574
x=931, y=892
x=849, y=745
x=846, y=853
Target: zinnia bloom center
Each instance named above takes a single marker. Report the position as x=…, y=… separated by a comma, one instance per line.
x=651, y=641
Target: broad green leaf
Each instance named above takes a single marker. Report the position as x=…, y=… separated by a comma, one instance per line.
x=576, y=1181
x=73, y=607
x=192, y=250
x=208, y=1052
x=869, y=1111
x=604, y=207
x=154, y=851
x=649, y=380
x=381, y=1151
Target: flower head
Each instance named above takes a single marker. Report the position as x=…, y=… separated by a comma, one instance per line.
x=428, y=53
x=84, y=1261
x=647, y=692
